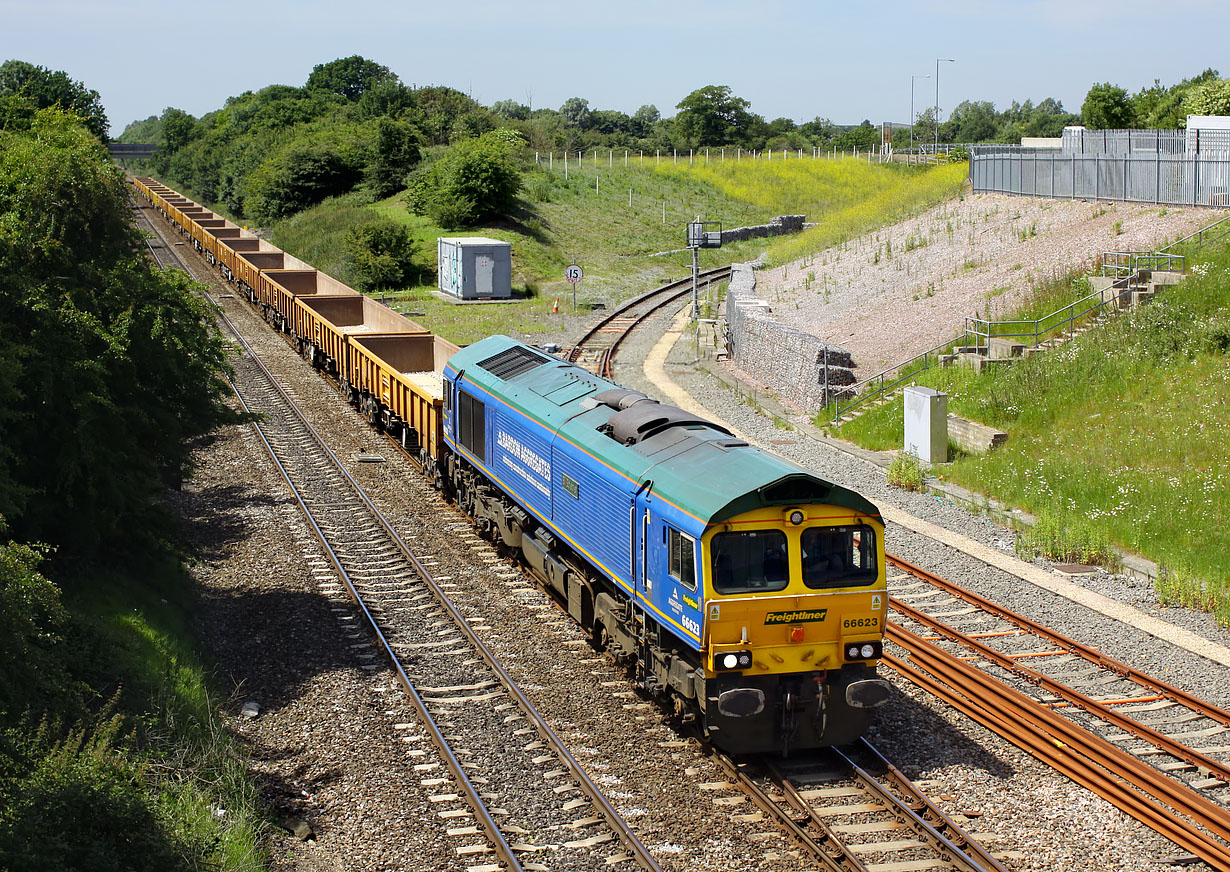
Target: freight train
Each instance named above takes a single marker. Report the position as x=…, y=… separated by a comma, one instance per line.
x=742, y=591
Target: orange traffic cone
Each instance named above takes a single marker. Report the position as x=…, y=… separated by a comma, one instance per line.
x=555, y=308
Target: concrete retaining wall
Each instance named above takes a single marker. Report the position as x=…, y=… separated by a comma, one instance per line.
x=793, y=364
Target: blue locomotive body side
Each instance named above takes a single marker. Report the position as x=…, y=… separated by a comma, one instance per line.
x=590, y=500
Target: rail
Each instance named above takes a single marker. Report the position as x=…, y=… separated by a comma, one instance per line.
x=1148, y=793
x=667, y=294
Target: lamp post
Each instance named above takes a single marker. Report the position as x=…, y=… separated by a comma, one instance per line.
x=912, y=118
x=937, y=98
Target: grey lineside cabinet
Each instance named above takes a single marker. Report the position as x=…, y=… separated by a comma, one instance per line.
x=474, y=267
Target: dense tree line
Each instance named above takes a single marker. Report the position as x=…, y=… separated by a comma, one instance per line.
x=355, y=128
x=109, y=369
x=26, y=88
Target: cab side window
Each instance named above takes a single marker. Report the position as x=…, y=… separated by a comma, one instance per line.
x=682, y=562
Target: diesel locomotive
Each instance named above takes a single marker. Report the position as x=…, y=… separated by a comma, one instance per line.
x=743, y=591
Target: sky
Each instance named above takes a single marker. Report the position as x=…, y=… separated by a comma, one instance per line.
x=845, y=61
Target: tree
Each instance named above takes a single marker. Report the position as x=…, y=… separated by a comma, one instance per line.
x=473, y=180
x=119, y=363
x=575, y=112
x=395, y=154
x=351, y=77
x=644, y=119
x=388, y=99
x=971, y=121
x=1048, y=119
x=442, y=108
x=511, y=109
x=299, y=176
x=45, y=88
x=1106, y=107
x=1159, y=107
x=178, y=129
x=712, y=115
x=1211, y=98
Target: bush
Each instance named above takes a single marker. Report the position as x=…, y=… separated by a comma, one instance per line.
x=299, y=177
x=381, y=255
x=473, y=180
x=79, y=803
x=906, y=472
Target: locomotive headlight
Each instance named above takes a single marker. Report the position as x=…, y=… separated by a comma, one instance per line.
x=732, y=660
x=852, y=652
x=796, y=517
x=868, y=651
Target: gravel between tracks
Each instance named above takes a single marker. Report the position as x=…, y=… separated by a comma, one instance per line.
x=1048, y=822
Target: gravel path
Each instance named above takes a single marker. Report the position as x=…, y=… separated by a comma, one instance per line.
x=1016, y=804
x=898, y=291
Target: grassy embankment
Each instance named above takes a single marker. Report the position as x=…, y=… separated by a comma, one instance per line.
x=620, y=245
x=1120, y=437
x=153, y=767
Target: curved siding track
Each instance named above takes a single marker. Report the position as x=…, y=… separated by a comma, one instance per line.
x=597, y=346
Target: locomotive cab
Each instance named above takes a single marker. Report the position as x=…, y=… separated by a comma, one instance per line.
x=795, y=604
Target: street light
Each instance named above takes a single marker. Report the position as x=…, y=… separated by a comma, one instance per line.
x=937, y=98
x=912, y=118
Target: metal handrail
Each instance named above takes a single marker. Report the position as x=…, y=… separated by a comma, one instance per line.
x=1062, y=318
x=1199, y=236
x=1130, y=262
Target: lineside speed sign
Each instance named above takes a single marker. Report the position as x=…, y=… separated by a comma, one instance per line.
x=574, y=273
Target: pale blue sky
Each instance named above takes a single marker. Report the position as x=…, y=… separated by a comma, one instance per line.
x=842, y=60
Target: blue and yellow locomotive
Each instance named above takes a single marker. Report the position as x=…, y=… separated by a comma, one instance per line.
x=739, y=585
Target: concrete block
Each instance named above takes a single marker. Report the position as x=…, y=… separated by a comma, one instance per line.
x=1167, y=277
x=974, y=438
x=1002, y=348
x=1139, y=298
x=926, y=424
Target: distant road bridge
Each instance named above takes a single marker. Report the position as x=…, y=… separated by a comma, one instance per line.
x=131, y=150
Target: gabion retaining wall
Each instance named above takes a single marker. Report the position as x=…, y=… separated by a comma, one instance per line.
x=776, y=227
x=793, y=364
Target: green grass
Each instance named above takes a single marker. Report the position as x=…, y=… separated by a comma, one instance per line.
x=1126, y=427
x=844, y=197
x=627, y=247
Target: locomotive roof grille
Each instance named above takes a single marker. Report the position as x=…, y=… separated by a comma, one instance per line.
x=512, y=362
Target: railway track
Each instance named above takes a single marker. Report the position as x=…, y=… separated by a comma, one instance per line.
x=853, y=811
x=1113, y=729
x=597, y=346
x=501, y=780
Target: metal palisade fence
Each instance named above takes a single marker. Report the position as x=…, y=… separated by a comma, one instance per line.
x=1170, y=168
